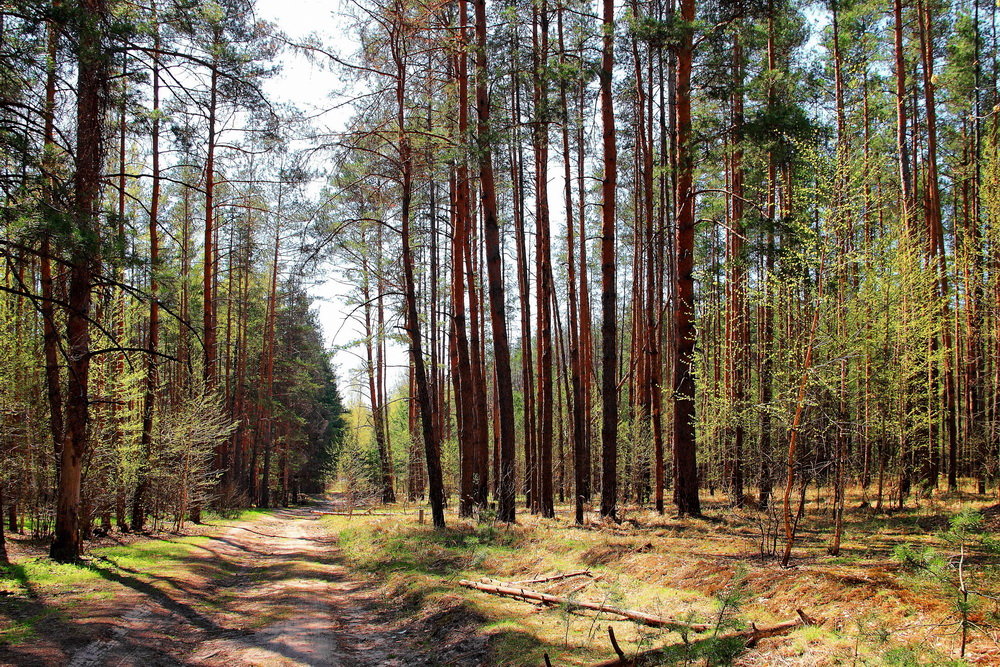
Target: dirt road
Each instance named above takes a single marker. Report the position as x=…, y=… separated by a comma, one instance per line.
x=265, y=592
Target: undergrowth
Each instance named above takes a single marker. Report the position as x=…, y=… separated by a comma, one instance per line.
x=687, y=569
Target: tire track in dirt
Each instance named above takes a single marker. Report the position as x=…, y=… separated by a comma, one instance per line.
x=267, y=592
x=286, y=577
x=96, y=652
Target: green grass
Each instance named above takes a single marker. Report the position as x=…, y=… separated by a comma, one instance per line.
x=422, y=566
x=26, y=629
x=37, y=595
x=212, y=517
x=910, y=656
x=151, y=553
x=660, y=569
x=425, y=550
x=42, y=573
x=37, y=592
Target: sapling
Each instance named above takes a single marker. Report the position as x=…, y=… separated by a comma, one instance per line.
x=723, y=650
x=964, y=534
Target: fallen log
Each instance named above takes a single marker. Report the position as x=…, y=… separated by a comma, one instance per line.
x=638, y=616
x=506, y=584
x=362, y=513
x=517, y=584
x=554, y=577
x=751, y=636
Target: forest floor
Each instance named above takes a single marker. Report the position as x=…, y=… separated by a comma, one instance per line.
x=337, y=584
x=871, y=610
x=267, y=590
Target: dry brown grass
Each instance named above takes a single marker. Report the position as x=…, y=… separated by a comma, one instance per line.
x=873, y=611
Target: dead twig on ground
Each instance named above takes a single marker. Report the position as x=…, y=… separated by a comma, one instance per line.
x=554, y=577
x=637, y=616
x=752, y=635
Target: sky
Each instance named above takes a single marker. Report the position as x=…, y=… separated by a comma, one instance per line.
x=320, y=92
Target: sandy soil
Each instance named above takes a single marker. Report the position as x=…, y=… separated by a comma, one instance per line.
x=267, y=592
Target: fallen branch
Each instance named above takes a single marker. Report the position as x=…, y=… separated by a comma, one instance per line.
x=751, y=637
x=547, y=598
x=506, y=584
x=554, y=577
x=517, y=584
x=614, y=644
x=363, y=513
x=577, y=589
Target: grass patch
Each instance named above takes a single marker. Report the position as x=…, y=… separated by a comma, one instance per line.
x=44, y=573
x=910, y=656
x=249, y=514
x=421, y=566
x=26, y=629
x=151, y=554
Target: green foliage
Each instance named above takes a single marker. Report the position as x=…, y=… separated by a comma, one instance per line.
x=658, y=33
x=307, y=394
x=718, y=649
x=907, y=656
x=966, y=587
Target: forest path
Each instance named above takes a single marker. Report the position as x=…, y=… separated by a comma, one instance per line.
x=265, y=592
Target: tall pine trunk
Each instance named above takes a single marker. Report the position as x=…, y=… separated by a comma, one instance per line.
x=543, y=266
x=609, y=290
x=506, y=482
x=92, y=96
x=153, y=341
x=432, y=448
x=578, y=428
x=50, y=334
x=685, y=461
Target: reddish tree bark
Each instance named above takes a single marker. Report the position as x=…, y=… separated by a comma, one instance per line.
x=737, y=333
x=543, y=264
x=609, y=290
x=685, y=461
x=524, y=300
x=92, y=83
x=578, y=428
x=50, y=334
x=267, y=431
x=494, y=269
x=473, y=482
x=209, y=338
x=432, y=448
x=374, y=389
x=3, y=540
x=153, y=341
